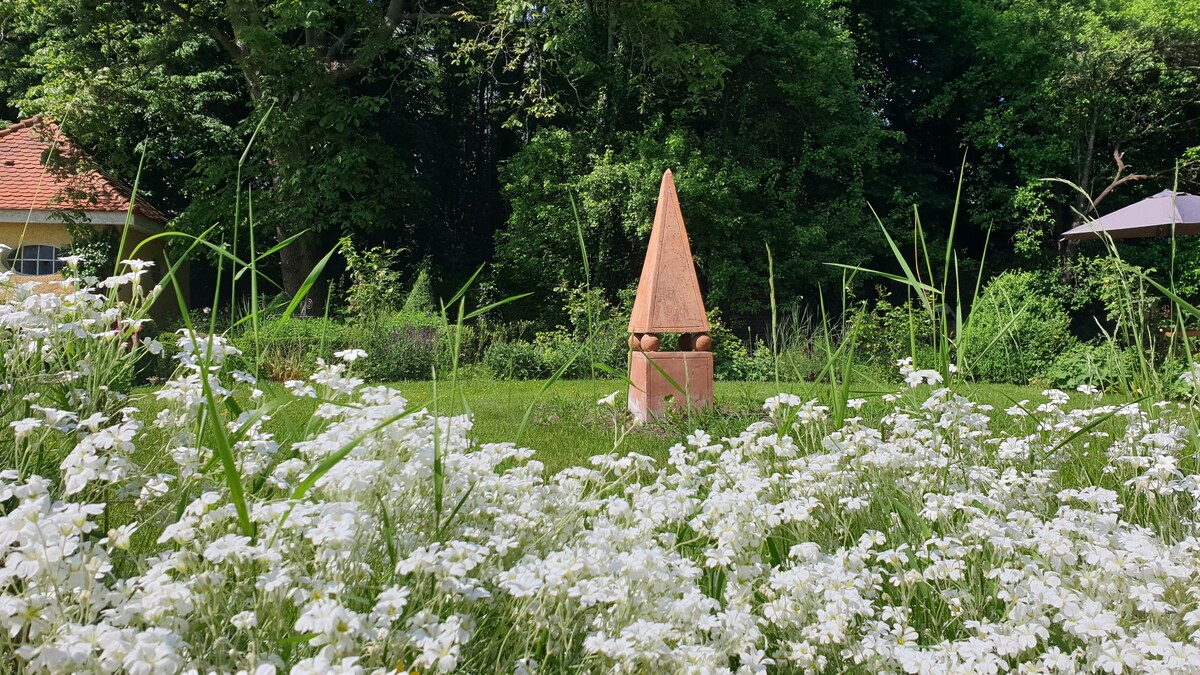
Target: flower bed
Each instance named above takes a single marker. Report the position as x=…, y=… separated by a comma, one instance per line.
x=387, y=540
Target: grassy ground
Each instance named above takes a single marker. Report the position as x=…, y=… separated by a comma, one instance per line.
x=566, y=426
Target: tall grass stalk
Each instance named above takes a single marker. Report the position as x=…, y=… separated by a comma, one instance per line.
x=775, y=347
x=587, y=288
x=952, y=340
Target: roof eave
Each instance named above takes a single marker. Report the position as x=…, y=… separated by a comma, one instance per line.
x=137, y=222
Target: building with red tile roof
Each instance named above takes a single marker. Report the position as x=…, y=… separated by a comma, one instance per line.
x=46, y=184
x=41, y=171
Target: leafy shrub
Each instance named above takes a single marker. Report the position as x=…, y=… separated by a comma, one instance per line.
x=397, y=351
x=289, y=347
x=732, y=360
x=1018, y=329
x=519, y=360
x=557, y=348
x=420, y=298
x=373, y=291
x=886, y=332
x=401, y=346
x=1099, y=365
x=478, y=337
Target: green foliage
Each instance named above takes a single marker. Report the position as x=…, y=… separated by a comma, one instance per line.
x=374, y=288
x=294, y=347
x=1020, y=330
x=519, y=360
x=1113, y=294
x=357, y=102
x=731, y=359
x=887, y=331
x=420, y=298
x=1075, y=82
x=1100, y=365
x=98, y=247
x=597, y=326
x=756, y=109
x=400, y=346
x=459, y=130
x=398, y=350
x=596, y=334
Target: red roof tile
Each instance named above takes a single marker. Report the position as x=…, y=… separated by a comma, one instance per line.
x=28, y=181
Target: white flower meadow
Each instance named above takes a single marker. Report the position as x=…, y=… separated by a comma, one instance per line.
x=388, y=541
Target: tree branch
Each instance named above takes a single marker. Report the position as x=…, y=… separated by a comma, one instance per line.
x=224, y=40
x=336, y=48
x=392, y=15
x=1118, y=180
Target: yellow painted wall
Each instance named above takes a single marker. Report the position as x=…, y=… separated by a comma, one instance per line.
x=56, y=234
x=35, y=233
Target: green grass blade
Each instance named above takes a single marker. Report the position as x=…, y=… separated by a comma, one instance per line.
x=910, y=278
x=605, y=368
x=903, y=280
x=302, y=292
x=537, y=397
x=333, y=458
x=463, y=290
x=224, y=451
x=499, y=303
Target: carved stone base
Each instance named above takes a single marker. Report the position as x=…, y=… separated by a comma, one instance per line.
x=651, y=392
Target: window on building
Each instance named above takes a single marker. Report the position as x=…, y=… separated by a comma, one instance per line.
x=35, y=260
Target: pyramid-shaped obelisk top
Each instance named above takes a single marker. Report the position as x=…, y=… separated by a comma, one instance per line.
x=668, y=295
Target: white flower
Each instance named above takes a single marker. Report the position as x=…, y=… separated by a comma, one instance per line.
x=771, y=405
x=23, y=427
x=917, y=377
x=300, y=388
x=138, y=266
x=611, y=399
x=323, y=665
x=350, y=355
x=227, y=548
x=241, y=376
x=244, y=620
x=119, y=537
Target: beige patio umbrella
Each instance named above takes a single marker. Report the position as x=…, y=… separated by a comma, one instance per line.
x=1151, y=217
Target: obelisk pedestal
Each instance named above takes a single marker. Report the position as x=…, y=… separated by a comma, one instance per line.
x=651, y=393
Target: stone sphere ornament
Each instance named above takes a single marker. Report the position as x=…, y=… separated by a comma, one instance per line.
x=649, y=342
x=634, y=343
x=704, y=343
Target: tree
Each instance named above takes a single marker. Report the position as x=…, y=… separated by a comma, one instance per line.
x=1102, y=93
x=756, y=109
x=198, y=77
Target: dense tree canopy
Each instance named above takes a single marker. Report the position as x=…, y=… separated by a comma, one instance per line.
x=458, y=132
x=756, y=109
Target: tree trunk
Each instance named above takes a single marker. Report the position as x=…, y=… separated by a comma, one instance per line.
x=1082, y=203
x=295, y=263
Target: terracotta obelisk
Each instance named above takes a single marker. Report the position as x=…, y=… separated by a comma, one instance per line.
x=668, y=301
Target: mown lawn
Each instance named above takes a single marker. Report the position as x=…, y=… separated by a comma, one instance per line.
x=566, y=426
